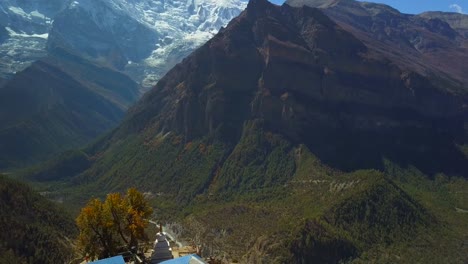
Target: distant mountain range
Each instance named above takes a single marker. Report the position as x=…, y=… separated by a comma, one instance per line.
x=57, y=104
x=299, y=135
x=63, y=65
x=143, y=38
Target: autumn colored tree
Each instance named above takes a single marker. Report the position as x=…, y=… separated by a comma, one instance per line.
x=115, y=224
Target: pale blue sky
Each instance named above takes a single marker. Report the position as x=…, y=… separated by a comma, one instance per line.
x=419, y=6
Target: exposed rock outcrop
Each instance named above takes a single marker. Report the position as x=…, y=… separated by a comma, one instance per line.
x=316, y=83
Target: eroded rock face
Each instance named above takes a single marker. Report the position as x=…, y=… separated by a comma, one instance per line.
x=29, y=17
x=3, y=34
x=143, y=38
x=102, y=34
x=458, y=22
x=24, y=28
x=314, y=82
x=433, y=44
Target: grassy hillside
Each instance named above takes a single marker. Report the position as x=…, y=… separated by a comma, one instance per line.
x=32, y=228
x=360, y=217
x=69, y=162
x=267, y=200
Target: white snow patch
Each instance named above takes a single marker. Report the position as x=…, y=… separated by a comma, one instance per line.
x=19, y=11
x=36, y=13
x=199, y=37
x=33, y=15
x=12, y=33
x=221, y=3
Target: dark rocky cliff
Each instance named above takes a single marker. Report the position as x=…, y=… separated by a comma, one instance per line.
x=433, y=44
x=316, y=83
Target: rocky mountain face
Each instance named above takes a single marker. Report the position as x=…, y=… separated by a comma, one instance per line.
x=3, y=34
x=316, y=83
x=458, y=22
x=433, y=42
x=24, y=28
x=143, y=38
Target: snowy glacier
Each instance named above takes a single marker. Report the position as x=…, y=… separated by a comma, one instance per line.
x=143, y=38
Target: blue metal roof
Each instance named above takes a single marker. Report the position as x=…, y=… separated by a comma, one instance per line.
x=113, y=260
x=189, y=259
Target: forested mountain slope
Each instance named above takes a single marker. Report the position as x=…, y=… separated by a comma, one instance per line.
x=289, y=137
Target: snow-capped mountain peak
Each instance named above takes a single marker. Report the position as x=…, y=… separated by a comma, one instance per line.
x=151, y=34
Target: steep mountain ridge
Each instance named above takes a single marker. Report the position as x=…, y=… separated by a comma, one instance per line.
x=57, y=104
x=457, y=21
x=288, y=62
x=424, y=43
x=165, y=31
x=104, y=33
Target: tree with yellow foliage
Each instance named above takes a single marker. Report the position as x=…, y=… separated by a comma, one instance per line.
x=115, y=224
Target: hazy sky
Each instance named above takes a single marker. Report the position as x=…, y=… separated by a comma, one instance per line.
x=418, y=6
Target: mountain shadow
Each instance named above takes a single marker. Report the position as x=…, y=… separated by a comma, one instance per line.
x=58, y=104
